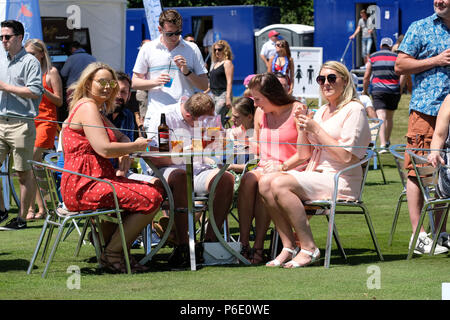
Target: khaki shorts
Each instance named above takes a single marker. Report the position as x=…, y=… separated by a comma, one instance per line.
x=17, y=137
x=420, y=133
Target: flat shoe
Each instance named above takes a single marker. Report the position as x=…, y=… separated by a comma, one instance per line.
x=294, y=264
x=278, y=263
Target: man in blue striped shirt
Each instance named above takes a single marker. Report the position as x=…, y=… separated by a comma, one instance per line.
x=385, y=88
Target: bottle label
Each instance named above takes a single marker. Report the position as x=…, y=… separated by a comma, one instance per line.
x=164, y=137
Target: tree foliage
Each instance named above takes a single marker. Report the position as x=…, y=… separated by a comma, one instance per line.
x=292, y=11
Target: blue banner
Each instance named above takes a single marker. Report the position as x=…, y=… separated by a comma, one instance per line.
x=152, y=11
x=28, y=13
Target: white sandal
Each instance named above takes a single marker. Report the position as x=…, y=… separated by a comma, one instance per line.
x=314, y=258
x=277, y=263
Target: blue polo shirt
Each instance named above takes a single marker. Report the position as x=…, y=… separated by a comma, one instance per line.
x=22, y=70
x=424, y=39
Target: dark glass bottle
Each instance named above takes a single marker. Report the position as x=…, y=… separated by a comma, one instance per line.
x=163, y=134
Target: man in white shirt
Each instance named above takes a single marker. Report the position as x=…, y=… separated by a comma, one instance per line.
x=182, y=117
x=168, y=67
x=268, y=49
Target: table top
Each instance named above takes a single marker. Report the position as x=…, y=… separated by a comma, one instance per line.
x=192, y=153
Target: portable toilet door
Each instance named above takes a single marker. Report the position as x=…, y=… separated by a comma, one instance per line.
x=297, y=35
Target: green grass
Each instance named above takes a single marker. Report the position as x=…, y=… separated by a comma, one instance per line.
x=419, y=278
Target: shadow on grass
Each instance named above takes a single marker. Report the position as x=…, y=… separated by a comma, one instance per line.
x=13, y=265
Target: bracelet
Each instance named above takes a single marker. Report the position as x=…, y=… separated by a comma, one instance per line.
x=284, y=167
x=186, y=74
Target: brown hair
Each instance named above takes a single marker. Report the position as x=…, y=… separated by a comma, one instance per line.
x=170, y=16
x=199, y=104
x=285, y=46
x=270, y=87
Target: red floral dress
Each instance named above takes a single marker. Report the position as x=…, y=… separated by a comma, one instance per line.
x=81, y=193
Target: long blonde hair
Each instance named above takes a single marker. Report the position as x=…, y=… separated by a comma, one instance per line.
x=227, y=53
x=349, y=93
x=46, y=63
x=81, y=88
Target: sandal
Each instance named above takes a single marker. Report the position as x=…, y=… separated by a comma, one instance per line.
x=245, y=252
x=314, y=259
x=39, y=215
x=30, y=215
x=258, y=256
x=277, y=263
x=113, y=261
x=136, y=267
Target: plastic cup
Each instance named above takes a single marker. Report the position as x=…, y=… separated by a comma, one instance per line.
x=168, y=84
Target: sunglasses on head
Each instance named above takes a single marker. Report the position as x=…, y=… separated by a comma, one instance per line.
x=331, y=78
x=6, y=36
x=103, y=83
x=171, y=34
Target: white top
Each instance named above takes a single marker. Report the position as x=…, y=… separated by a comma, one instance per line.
x=208, y=39
x=154, y=58
x=365, y=100
x=179, y=129
x=268, y=49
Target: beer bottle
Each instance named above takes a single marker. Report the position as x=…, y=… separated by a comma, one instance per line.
x=163, y=134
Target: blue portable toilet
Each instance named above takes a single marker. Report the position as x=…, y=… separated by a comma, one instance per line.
x=336, y=20
x=235, y=24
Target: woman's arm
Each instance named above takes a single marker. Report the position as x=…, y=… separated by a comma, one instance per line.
x=254, y=141
x=440, y=133
x=269, y=64
x=56, y=84
x=229, y=71
x=291, y=75
x=89, y=117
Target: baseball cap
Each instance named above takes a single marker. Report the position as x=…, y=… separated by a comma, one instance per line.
x=386, y=41
x=273, y=33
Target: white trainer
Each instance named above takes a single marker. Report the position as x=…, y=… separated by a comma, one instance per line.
x=424, y=244
x=444, y=240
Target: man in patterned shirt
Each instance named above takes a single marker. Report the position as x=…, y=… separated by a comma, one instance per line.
x=425, y=52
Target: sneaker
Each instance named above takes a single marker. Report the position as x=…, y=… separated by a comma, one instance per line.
x=155, y=238
x=137, y=244
x=444, y=240
x=383, y=150
x=15, y=224
x=3, y=216
x=424, y=244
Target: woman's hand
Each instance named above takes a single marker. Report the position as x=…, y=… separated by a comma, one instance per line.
x=141, y=143
x=272, y=166
x=305, y=122
x=124, y=166
x=435, y=159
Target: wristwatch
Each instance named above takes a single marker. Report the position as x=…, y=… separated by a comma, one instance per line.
x=186, y=74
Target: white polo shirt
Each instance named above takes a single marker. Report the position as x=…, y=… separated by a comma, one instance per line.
x=154, y=58
x=268, y=49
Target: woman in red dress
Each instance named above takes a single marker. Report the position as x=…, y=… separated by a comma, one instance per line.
x=87, y=145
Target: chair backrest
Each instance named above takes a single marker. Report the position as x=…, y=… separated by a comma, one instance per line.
x=427, y=175
x=46, y=184
x=374, y=125
x=398, y=151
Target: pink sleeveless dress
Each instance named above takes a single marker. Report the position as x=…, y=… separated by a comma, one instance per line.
x=81, y=193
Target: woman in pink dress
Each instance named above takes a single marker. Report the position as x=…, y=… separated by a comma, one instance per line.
x=88, y=141
x=336, y=137
x=275, y=139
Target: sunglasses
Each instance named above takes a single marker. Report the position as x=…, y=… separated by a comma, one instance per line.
x=331, y=78
x=279, y=45
x=103, y=83
x=171, y=34
x=6, y=36
x=218, y=49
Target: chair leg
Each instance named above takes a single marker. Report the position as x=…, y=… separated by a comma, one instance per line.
x=372, y=233
x=416, y=234
x=124, y=243
x=338, y=241
x=55, y=246
x=438, y=231
x=38, y=246
x=397, y=213
x=47, y=241
x=381, y=167
x=81, y=238
x=329, y=237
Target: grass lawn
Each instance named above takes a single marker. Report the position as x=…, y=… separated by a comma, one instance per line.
x=395, y=278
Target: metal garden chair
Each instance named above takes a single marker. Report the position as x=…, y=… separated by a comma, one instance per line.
x=58, y=217
x=375, y=125
x=7, y=184
x=427, y=177
x=335, y=206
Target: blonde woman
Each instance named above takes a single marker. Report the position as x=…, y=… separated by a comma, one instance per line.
x=88, y=141
x=46, y=125
x=340, y=134
x=221, y=78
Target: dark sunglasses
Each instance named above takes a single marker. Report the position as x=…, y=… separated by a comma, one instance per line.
x=6, y=36
x=279, y=45
x=171, y=34
x=331, y=79
x=218, y=49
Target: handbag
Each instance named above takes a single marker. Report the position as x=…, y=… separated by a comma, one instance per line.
x=215, y=254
